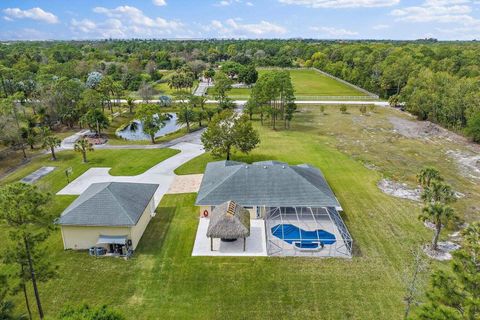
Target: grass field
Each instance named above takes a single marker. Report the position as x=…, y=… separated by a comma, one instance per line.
x=164, y=280
x=307, y=83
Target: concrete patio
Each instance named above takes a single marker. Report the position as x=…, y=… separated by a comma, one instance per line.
x=255, y=245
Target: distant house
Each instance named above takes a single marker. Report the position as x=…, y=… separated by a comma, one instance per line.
x=300, y=210
x=113, y=215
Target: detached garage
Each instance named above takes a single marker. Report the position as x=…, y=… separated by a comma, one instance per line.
x=112, y=215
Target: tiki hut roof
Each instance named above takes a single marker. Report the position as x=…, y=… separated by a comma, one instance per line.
x=229, y=221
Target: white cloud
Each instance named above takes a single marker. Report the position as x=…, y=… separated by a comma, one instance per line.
x=235, y=28
x=226, y=3
x=380, y=27
x=160, y=3
x=334, y=32
x=125, y=22
x=342, y=3
x=34, y=13
x=441, y=11
x=85, y=25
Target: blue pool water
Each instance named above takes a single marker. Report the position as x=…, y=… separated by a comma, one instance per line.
x=310, y=239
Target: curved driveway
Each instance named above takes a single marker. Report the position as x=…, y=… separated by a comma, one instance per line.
x=161, y=174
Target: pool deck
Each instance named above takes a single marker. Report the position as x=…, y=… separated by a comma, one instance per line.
x=255, y=245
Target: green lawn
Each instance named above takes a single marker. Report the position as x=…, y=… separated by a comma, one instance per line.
x=164, y=280
x=312, y=83
x=307, y=83
x=126, y=162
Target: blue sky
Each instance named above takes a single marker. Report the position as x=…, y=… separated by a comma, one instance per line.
x=323, y=19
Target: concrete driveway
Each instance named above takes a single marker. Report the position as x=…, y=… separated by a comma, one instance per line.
x=161, y=174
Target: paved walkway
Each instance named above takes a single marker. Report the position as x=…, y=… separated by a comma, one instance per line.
x=202, y=88
x=69, y=142
x=161, y=174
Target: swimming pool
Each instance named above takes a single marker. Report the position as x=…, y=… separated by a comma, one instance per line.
x=302, y=238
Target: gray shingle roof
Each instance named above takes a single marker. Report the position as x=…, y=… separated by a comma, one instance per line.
x=266, y=183
x=109, y=204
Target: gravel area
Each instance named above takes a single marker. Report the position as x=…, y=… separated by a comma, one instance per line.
x=443, y=252
x=399, y=190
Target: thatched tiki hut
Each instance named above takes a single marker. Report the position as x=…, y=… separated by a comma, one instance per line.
x=229, y=222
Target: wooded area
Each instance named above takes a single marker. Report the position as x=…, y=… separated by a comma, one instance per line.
x=63, y=82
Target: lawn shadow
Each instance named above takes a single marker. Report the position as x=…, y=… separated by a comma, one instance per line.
x=66, y=156
x=250, y=158
x=156, y=231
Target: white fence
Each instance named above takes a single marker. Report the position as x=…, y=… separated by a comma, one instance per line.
x=319, y=98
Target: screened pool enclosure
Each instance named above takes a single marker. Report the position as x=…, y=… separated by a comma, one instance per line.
x=306, y=231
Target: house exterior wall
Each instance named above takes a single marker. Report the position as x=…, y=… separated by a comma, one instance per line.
x=138, y=230
x=252, y=210
x=84, y=237
x=203, y=209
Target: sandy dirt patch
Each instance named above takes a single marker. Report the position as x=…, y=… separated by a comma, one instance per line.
x=185, y=184
x=417, y=129
x=399, y=190
x=468, y=163
x=443, y=252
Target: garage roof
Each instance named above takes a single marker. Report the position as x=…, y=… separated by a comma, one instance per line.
x=109, y=204
x=265, y=183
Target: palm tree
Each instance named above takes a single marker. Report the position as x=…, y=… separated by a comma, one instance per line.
x=428, y=175
x=130, y=104
x=438, y=214
x=51, y=142
x=82, y=146
x=438, y=192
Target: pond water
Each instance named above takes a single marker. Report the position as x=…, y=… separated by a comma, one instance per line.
x=135, y=132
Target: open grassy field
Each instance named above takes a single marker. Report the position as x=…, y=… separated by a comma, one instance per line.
x=307, y=83
x=354, y=152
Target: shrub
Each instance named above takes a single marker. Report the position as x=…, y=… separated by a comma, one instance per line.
x=473, y=127
x=363, y=109
x=343, y=108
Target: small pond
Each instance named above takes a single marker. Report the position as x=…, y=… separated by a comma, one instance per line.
x=135, y=132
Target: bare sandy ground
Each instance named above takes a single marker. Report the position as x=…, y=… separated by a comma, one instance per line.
x=185, y=184
x=399, y=190
x=467, y=160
